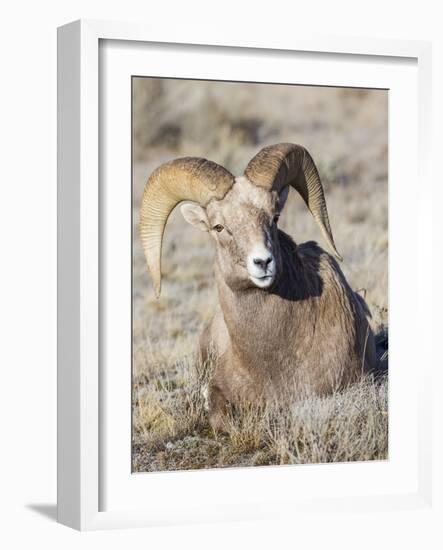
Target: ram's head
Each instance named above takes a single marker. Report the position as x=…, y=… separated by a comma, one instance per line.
x=240, y=213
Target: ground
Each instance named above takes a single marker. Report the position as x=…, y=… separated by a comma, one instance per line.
x=346, y=132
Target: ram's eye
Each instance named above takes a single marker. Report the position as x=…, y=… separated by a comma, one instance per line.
x=219, y=228
x=276, y=218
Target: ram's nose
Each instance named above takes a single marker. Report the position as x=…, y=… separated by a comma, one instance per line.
x=263, y=263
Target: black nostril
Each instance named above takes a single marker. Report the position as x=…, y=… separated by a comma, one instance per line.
x=263, y=263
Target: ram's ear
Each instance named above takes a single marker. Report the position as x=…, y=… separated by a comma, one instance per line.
x=283, y=195
x=195, y=215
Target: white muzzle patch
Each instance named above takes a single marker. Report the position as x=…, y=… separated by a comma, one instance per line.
x=261, y=266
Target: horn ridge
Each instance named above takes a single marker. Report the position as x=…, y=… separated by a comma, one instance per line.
x=189, y=178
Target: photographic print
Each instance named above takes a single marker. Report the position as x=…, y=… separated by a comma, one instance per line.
x=259, y=274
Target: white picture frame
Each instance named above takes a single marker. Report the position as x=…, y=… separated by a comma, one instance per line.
x=82, y=414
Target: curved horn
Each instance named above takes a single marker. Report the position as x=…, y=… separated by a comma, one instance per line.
x=191, y=178
x=283, y=164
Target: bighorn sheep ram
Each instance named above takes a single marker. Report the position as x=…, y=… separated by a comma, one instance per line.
x=287, y=319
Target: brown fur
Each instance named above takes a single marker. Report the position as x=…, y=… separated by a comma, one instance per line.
x=308, y=333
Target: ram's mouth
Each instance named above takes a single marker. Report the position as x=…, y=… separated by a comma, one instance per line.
x=263, y=282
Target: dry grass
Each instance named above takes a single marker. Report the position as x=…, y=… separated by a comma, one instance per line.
x=171, y=429
x=346, y=132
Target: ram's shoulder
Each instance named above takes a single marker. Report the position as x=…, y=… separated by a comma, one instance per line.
x=316, y=259
x=312, y=252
